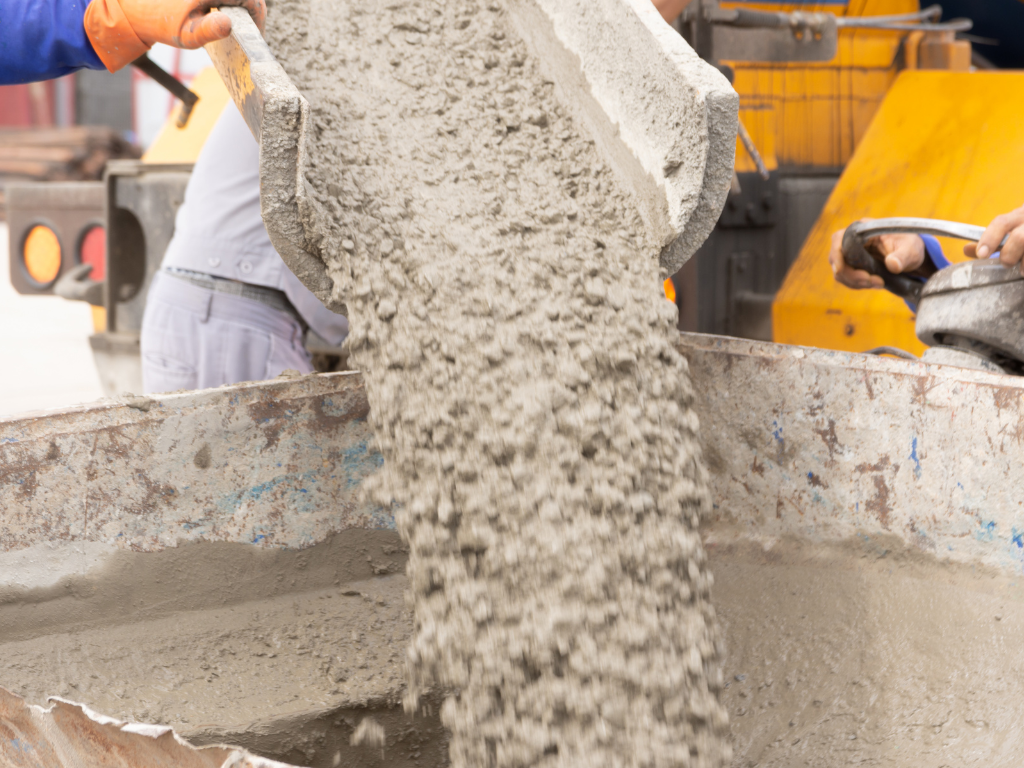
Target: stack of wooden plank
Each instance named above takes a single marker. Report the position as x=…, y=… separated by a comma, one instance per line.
x=78, y=153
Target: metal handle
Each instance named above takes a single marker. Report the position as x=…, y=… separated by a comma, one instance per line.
x=856, y=254
x=907, y=225
x=173, y=85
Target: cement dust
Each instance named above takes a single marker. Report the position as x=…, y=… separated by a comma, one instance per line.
x=531, y=408
x=233, y=666
x=282, y=652
x=866, y=652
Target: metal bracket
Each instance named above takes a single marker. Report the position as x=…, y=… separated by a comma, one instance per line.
x=738, y=34
x=176, y=88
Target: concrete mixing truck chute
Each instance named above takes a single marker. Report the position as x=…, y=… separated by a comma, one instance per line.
x=664, y=119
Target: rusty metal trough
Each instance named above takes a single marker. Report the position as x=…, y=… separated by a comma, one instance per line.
x=123, y=517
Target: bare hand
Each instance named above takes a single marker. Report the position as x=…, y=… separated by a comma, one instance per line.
x=1009, y=224
x=903, y=253
x=670, y=9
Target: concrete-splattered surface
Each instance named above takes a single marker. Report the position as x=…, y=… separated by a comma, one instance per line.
x=867, y=556
x=832, y=445
x=274, y=464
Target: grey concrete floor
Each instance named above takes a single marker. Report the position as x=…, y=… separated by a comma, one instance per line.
x=45, y=360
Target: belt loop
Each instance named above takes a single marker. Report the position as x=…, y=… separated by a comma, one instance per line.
x=205, y=318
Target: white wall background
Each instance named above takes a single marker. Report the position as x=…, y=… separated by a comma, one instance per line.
x=45, y=359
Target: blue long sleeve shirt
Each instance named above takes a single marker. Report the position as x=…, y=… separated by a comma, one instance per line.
x=43, y=39
x=934, y=252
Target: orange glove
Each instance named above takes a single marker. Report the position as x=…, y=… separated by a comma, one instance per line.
x=123, y=30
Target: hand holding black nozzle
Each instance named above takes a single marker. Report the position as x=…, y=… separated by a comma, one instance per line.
x=898, y=259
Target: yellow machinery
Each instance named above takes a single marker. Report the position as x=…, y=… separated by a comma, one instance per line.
x=916, y=134
x=813, y=115
x=808, y=120
x=101, y=241
x=943, y=145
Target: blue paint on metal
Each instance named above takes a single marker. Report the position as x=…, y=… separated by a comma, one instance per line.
x=1017, y=537
x=913, y=458
x=8, y=440
x=987, y=531
x=358, y=460
x=777, y=433
x=256, y=492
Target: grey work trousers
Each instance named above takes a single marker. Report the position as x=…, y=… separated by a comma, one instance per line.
x=194, y=338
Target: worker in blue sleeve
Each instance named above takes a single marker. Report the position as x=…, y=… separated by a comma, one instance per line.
x=44, y=39
x=906, y=253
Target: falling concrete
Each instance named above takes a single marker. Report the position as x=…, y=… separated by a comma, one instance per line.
x=499, y=190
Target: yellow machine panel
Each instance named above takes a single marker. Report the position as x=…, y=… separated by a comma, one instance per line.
x=946, y=145
x=814, y=114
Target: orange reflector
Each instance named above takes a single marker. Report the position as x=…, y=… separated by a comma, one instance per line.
x=670, y=290
x=93, y=250
x=41, y=254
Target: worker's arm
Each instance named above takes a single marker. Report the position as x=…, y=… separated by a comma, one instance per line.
x=44, y=39
x=905, y=253
x=670, y=9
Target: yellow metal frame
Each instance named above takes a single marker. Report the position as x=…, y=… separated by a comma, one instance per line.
x=945, y=145
x=814, y=114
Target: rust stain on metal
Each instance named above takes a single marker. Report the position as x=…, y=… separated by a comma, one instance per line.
x=879, y=505
x=828, y=436
x=868, y=387
x=878, y=466
x=816, y=481
x=276, y=464
x=271, y=415
x=1006, y=397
